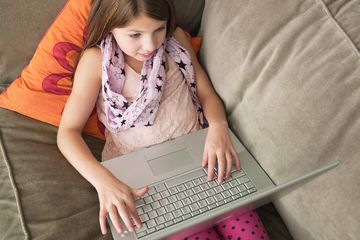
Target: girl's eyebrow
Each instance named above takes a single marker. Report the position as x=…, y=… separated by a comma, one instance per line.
x=139, y=31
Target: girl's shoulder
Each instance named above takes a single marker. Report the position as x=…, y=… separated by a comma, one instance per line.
x=92, y=54
x=89, y=66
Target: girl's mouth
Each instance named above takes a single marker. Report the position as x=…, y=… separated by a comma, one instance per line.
x=146, y=55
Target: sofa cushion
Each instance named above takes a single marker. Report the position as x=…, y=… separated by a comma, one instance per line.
x=346, y=14
x=41, y=193
x=289, y=78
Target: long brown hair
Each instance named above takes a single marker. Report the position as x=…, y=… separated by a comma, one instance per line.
x=106, y=15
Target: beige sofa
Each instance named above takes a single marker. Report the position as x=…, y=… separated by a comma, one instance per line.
x=289, y=75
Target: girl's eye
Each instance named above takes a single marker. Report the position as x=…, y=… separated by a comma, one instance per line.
x=161, y=29
x=135, y=35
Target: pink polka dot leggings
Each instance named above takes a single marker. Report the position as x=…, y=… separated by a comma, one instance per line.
x=247, y=226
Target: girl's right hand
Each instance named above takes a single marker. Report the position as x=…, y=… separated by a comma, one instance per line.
x=116, y=198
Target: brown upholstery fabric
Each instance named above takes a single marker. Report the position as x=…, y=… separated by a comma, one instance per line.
x=45, y=194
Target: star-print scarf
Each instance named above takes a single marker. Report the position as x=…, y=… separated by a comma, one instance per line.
x=122, y=114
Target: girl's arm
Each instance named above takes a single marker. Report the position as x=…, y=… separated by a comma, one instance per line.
x=114, y=196
x=218, y=146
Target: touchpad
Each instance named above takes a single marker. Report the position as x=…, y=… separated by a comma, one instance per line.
x=169, y=162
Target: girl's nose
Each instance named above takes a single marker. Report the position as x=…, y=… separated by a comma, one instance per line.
x=149, y=44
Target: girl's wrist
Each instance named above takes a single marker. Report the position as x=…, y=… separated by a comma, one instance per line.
x=222, y=124
x=102, y=177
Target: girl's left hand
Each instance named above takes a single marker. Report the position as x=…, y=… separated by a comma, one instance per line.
x=219, y=147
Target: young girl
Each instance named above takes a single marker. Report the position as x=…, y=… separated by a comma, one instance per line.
x=143, y=76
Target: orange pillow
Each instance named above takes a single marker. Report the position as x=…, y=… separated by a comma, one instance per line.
x=45, y=84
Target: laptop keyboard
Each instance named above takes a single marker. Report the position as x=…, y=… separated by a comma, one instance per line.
x=178, y=199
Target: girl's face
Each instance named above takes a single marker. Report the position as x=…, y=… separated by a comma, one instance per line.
x=141, y=37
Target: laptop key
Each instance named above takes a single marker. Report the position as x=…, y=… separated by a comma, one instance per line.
x=197, y=182
x=160, y=187
x=212, y=184
x=202, y=203
x=177, y=213
x=169, y=223
x=172, y=199
x=210, y=200
x=241, y=188
x=178, y=204
x=156, y=196
x=151, y=190
x=168, y=217
x=236, y=196
x=194, y=207
x=185, y=210
x=164, y=202
x=194, y=213
x=155, y=205
x=178, y=219
x=220, y=203
x=148, y=199
x=249, y=185
x=218, y=197
x=186, y=216
x=141, y=234
x=160, y=220
x=159, y=227
x=204, y=209
x=237, y=174
x=152, y=214
x=202, y=195
x=189, y=185
x=165, y=194
x=212, y=206
x=173, y=190
x=144, y=218
x=140, y=210
x=161, y=211
x=251, y=190
x=150, y=224
x=186, y=177
x=187, y=201
x=197, y=189
x=234, y=191
x=226, y=194
x=140, y=202
x=243, y=179
x=147, y=208
x=181, y=187
x=169, y=208
x=194, y=198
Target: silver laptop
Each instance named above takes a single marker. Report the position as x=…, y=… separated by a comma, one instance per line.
x=181, y=200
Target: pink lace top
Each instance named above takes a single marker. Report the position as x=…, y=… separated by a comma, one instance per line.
x=175, y=117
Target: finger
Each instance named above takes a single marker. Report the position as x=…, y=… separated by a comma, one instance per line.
x=124, y=214
x=102, y=220
x=211, y=166
x=229, y=159
x=221, y=166
x=132, y=208
x=134, y=214
x=205, y=159
x=138, y=192
x=237, y=160
x=115, y=219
